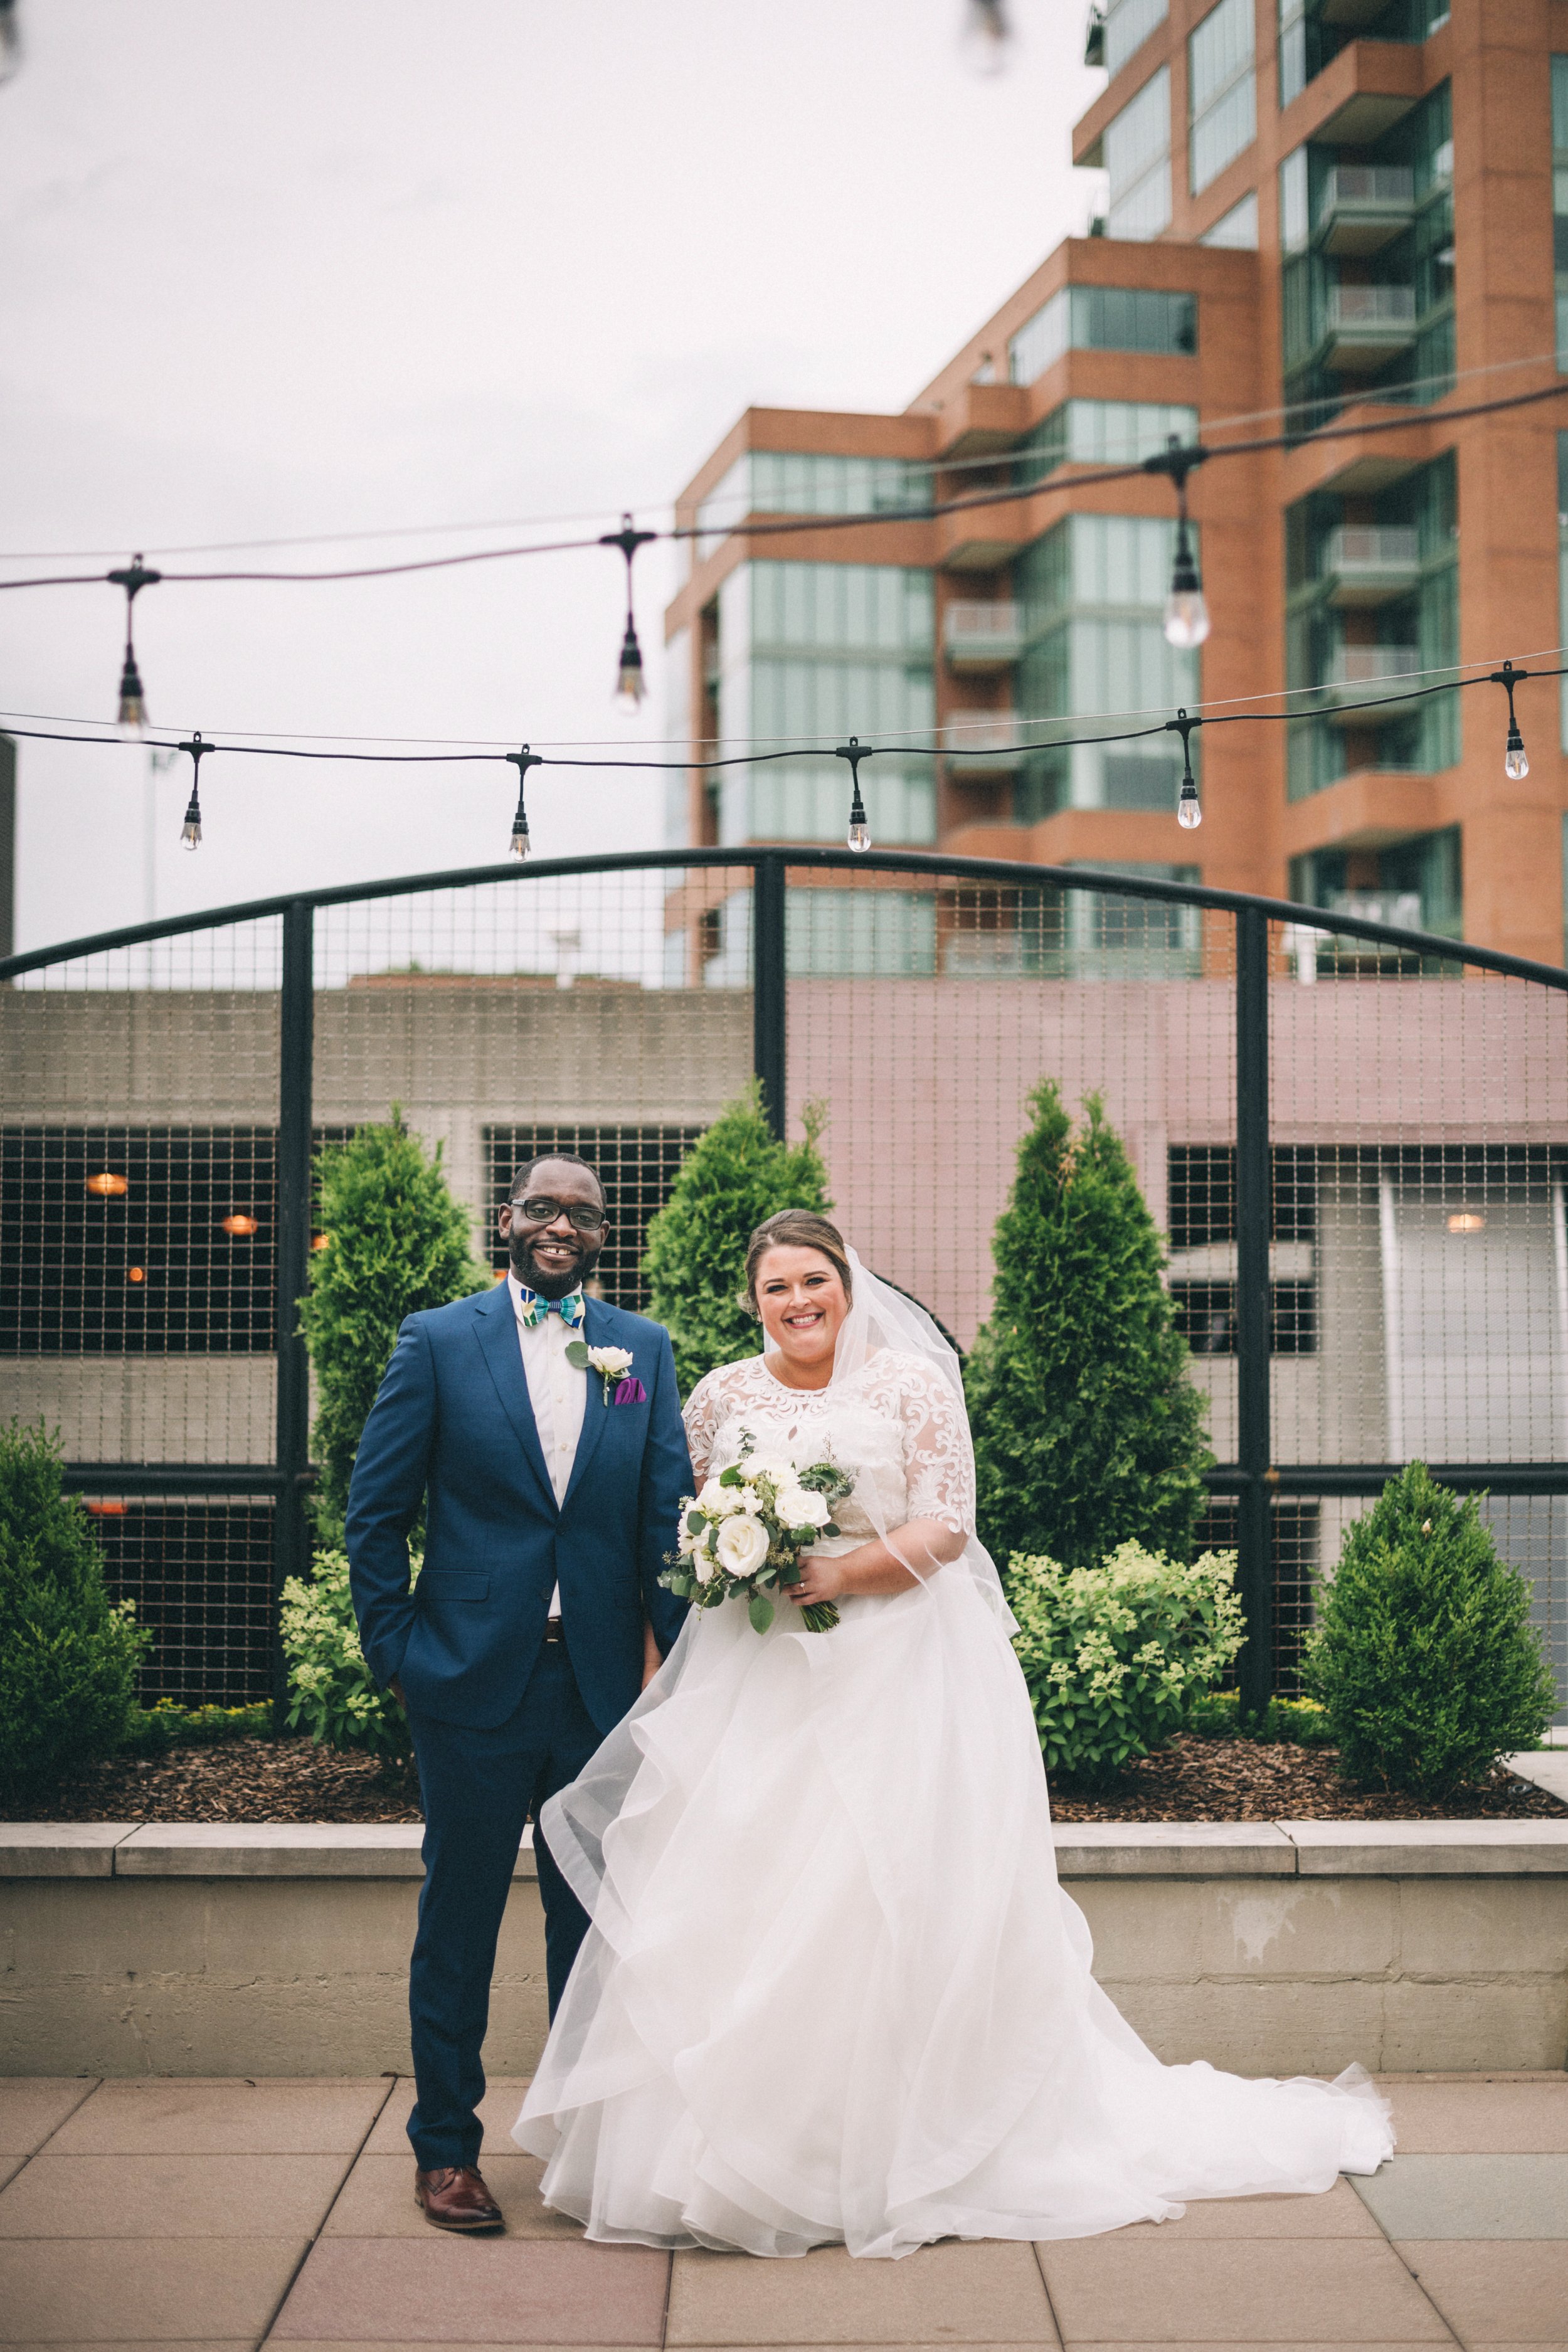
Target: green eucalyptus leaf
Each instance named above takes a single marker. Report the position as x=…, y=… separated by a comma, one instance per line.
x=760, y=1613
x=577, y=1354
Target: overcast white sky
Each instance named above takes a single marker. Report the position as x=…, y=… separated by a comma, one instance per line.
x=331, y=265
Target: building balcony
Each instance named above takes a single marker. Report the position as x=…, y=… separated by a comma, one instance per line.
x=1355, y=676
x=1371, y=564
x=1364, y=206
x=978, y=636
x=989, y=739
x=1367, y=326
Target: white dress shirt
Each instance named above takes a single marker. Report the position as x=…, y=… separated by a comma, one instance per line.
x=557, y=1390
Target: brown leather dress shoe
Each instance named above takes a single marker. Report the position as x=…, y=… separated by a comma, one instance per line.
x=455, y=2198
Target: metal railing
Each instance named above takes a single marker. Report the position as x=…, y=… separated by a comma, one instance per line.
x=1364, y=1180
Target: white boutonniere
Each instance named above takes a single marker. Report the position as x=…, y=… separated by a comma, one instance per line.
x=613, y=1366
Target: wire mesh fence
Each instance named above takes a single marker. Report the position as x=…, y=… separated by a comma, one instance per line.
x=1356, y=1142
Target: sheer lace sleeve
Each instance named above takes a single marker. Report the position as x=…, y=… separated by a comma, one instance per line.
x=939, y=1461
x=705, y=1409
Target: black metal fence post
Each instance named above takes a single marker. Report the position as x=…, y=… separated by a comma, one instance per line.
x=769, y=1041
x=1255, y=1550
x=296, y=1024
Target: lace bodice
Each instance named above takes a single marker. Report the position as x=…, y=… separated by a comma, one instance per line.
x=896, y=1426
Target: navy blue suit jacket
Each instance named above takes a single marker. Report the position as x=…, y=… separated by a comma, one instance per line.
x=452, y=1422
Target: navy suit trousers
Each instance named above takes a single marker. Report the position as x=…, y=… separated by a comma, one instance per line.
x=478, y=1789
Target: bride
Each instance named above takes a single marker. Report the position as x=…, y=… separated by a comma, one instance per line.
x=832, y=1991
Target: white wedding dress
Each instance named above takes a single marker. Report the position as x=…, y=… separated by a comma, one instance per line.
x=832, y=1991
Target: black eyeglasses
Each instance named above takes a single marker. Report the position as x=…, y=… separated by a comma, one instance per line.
x=541, y=1210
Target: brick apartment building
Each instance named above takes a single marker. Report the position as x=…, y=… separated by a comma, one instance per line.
x=1334, y=208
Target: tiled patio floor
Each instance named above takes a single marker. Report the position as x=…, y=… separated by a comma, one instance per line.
x=188, y=2214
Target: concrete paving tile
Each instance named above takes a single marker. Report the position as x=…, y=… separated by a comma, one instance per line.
x=163, y=2290
x=444, y=2290
x=1467, y=2196
x=1337, y=2213
x=168, y=2116
x=1515, y=2290
x=498, y=2113
x=33, y=2106
x=10, y=2166
x=171, y=2196
x=976, y=2294
x=218, y=2344
x=1255, y=2344
x=1187, y=2292
x=377, y=2200
x=1481, y=2118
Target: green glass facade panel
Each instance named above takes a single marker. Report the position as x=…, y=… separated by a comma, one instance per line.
x=1417, y=884
x=791, y=481
x=1314, y=32
x=1101, y=433
x=1103, y=318
x=1222, y=94
x=1128, y=24
x=1137, y=151
x=831, y=934
x=1236, y=230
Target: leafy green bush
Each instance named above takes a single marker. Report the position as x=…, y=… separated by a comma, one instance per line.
x=1114, y=1655
x=155, y=1730
x=398, y=1241
x=334, y=1696
x=1300, y=1722
x=1423, y=1655
x=1088, y=1429
x=67, y=1653
x=735, y=1174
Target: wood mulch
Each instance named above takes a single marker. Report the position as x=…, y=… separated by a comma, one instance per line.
x=1194, y=1779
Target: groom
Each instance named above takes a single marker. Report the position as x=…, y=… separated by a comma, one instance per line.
x=553, y=1492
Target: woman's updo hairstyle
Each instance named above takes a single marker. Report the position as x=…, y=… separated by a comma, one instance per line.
x=795, y=1229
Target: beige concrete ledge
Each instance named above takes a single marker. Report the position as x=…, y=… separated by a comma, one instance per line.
x=1174, y=1850
x=60, y=1849
x=1428, y=1849
x=279, y=1850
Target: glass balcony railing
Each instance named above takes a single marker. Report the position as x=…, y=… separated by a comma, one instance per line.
x=1370, y=563
x=989, y=739
x=1363, y=206
x=1367, y=326
x=983, y=635
x=1355, y=675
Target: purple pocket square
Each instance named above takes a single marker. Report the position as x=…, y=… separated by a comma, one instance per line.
x=630, y=1391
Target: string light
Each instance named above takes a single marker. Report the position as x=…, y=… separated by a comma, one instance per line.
x=1189, y=808
x=1515, y=757
x=133, y=713
x=191, y=831
x=859, y=836
x=631, y=687
x=987, y=36
x=1186, y=612
x=523, y=760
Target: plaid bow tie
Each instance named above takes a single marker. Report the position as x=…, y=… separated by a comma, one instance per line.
x=532, y=1310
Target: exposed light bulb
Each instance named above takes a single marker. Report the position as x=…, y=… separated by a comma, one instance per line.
x=191, y=831
x=860, y=834
x=1186, y=619
x=987, y=37
x=1516, y=758
x=519, y=844
x=1189, y=808
x=131, y=717
x=630, y=685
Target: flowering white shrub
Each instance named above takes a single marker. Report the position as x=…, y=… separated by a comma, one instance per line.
x=1115, y=1656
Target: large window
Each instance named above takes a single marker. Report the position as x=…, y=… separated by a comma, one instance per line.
x=1416, y=884
x=831, y=934
x=1314, y=32
x=1220, y=92
x=1103, y=318
x=809, y=653
x=1137, y=151
x=1101, y=433
x=1236, y=228
x=1128, y=24
x=1093, y=592
x=792, y=482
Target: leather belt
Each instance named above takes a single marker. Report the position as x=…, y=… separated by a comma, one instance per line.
x=553, y=1630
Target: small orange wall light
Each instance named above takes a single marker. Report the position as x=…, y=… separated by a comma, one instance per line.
x=1466, y=1221
x=321, y=1241
x=135, y=1274
x=108, y=1186
x=240, y=1228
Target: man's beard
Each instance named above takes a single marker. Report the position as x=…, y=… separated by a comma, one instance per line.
x=551, y=1286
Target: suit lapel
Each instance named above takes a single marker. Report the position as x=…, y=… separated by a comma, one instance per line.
x=597, y=1331
x=495, y=1327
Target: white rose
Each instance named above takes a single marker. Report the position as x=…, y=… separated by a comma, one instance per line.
x=777, y=1466
x=611, y=1361
x=801, y=1506
x=704, y=1566
x=743, y=1546
x=720, y=1501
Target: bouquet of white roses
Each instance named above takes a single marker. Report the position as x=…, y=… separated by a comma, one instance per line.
x=745, y=1532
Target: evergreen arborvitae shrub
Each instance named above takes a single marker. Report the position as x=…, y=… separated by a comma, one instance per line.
x=1424, y=1656
x=398, y=1241
x=67, y=1653
x=1088, y=1431
x=735, y=1174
